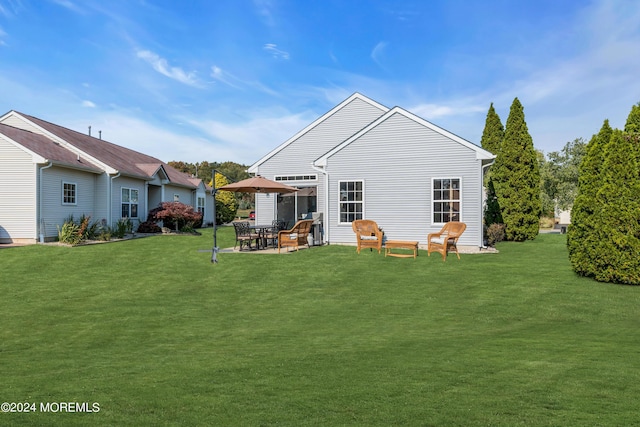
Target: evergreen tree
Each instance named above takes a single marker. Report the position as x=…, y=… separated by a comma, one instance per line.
x=492, y=137
x=516, y=178
x=633, y=120
x=617, y=259
x=584, y=235
x=493, y=132
x=632, y=128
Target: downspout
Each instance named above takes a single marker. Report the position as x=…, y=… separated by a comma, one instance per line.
x=325, y=219
x=110, y=201
x=483, y=204
x=40, y=208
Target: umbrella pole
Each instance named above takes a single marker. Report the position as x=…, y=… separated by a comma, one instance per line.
x=214, y=250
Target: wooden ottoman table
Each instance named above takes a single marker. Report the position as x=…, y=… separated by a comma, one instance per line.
x=400, y=244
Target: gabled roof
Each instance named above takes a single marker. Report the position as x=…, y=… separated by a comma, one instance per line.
x=253, y=168
x=481, y=154
x=101, y=152
x=45, y=150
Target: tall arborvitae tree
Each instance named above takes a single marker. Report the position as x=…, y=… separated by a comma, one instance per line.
x=632, y=127
x=584, y=238
x=492, y=137
x=633, y=120
x=516, y=178
x=493, y=132
x=618, y=256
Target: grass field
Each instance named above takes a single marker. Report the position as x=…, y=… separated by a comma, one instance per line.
x=156, y=335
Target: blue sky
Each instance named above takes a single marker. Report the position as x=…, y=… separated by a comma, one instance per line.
x=232, y=79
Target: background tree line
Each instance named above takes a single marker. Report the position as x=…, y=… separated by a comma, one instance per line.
x=227, y=203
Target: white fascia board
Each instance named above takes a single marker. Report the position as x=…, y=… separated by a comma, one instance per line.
x=254, y=167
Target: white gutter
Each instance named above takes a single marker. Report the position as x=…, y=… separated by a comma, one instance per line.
x=325, y=219
x=40, y=226
x=483, y=204
x=110, y=202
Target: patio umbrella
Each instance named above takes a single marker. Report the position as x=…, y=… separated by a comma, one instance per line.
x=256, y=184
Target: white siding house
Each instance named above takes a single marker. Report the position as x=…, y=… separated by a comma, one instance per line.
x=48, y=172
x=391, y=166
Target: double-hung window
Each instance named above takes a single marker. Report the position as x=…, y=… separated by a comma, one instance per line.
x=201, y=201
x=351, y=202
x=69, y=193
x=446, y=200
x=129, y=203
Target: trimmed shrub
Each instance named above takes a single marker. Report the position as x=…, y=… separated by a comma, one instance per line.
x=149, y=227
x=176, y=215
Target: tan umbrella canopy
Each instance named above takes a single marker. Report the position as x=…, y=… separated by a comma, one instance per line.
x=258, y=184
x=303, y=192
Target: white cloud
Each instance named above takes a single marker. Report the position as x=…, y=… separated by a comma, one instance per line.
x=67, y=4
x=248, y=140
x=275, y=52
x=162, y=66
x=223, y=77
x=88, y=104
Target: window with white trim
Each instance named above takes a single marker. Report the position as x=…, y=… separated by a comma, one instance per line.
x=200, y=202
x=69, y=192
x=446, y=200
x=129, y=203
x=351, y=203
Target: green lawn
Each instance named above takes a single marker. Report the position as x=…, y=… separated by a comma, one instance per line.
x=157, y=335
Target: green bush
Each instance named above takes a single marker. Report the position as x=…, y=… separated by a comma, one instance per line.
x=69, y=233
x=73, y=232
x=122, y=227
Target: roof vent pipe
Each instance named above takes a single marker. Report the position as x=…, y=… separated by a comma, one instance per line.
x=89, y=130
x=99, y=134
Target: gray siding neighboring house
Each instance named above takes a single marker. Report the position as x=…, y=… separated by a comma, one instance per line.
x=393, y=167
x=48, y=172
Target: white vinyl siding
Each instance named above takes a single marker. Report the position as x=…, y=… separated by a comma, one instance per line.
x=18, y=194
x=398, y=160
x=116, y=199
x=296, y=159
x=54, y=210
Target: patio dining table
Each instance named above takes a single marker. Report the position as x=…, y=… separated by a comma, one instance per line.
x=262, y=230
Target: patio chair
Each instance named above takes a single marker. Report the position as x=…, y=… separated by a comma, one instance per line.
x=368, y=234
x=244, y=235
x=272, y=233
x=296, y=236
x=446, y=239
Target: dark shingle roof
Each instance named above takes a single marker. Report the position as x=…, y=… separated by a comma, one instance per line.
x=125, y=160
x=46, y=148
